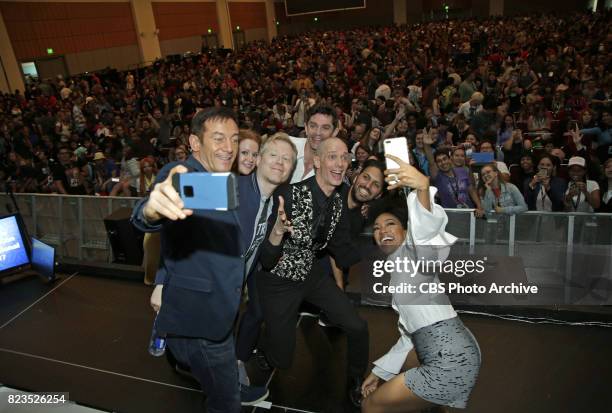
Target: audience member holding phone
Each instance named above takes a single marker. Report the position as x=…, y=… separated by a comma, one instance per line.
x=448, y=354
x=545, y=191
x=582, y=194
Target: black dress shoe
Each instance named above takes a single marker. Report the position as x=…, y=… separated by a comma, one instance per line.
x=261, y=361
x=354, y=391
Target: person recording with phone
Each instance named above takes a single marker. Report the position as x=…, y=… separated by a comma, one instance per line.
x=545, y=191
x=203, y=268
x=442, y=356
x=582, y=194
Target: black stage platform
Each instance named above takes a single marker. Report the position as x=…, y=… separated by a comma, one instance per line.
x=88, y=336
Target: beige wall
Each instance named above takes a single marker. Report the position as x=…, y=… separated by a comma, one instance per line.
x=256, y=34
x=4, y=86
x=496, y=7
x=271, y=20
x=146, y=30
x=179, y=46
x=120, y=58
x=11, y=71
x=400, y=13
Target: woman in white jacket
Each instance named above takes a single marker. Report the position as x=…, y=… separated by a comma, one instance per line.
x=448, y=354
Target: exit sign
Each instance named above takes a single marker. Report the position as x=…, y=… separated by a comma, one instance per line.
x=50, y=51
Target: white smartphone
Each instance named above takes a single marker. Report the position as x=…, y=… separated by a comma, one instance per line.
x=397, y=147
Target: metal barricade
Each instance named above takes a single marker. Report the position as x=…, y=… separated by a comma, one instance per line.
x=571, y=252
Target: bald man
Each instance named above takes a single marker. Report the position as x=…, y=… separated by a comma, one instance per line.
x=310, y=220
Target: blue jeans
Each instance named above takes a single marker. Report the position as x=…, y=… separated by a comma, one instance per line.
x=214, y=365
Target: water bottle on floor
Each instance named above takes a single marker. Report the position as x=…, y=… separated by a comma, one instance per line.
x=157, y=344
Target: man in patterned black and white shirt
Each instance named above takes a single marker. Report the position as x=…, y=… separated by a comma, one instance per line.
x=310, y=220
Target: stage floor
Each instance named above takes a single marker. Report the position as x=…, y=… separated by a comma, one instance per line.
x=88, y=336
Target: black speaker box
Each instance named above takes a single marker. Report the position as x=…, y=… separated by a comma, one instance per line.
x=125, y=239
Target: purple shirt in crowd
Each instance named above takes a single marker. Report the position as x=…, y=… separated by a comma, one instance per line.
x=453, y=191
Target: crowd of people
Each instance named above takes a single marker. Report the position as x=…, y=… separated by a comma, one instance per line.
x=500, y=116
x=532, y=91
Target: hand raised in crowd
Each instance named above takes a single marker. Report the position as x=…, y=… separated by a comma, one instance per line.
x=401, y=112
x=365, y=210
x=165, y=202
x=370, y=384
x=576, y=135
x=428, y=137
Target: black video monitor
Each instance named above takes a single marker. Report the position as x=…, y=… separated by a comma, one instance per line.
x=43, y=259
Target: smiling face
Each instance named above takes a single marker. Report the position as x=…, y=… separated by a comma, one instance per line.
x=180, y=153
x=586, y=117
x=545, y=163
x=368, y=185
x=318, y=128
x=388, y=232
x=218, y=148
x=489, y=175
x=147, y=168
x=527, y=163
x=330, y=164
x=576, y=173
x=443, y=162
x=458, y=157
x=375, y=135
x=361, y=154
x=275, y=163
x=247, y=156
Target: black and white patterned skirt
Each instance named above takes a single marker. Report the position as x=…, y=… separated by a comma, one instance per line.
x=450, y=361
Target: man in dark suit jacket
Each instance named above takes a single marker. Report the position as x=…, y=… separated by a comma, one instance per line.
x=203, y=267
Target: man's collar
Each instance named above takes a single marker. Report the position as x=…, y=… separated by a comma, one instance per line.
x=317, y=192
x=194, y=165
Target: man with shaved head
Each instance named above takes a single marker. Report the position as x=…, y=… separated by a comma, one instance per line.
x=310, y=221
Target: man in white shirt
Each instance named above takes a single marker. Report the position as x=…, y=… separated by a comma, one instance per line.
x=321, y=123
x=301, y=108
x=472, y=106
